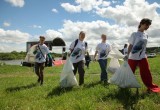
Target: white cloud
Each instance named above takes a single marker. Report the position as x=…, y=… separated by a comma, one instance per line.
x=16, y=3
x=94, y=30
x=115, y=1
x=9, y=47
x=105, y=3
x=36, y=26
x=84, y=5
x=126, y=16
x=116, y=33
x=71, y=8
x=131, y=12
x=51, y=34
x=13, y=36
x=54, y=10
x=13, y=40
x=6, y=24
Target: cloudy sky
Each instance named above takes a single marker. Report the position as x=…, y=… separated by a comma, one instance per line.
x=25, y=20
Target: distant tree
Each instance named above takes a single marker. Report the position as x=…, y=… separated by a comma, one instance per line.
x=14, y=52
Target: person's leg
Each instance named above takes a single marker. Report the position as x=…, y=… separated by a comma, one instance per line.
x=87, y=64
x=146, y=74
x=75, y=65
x=42, y=65
x=106, y=74
x=102, y=64
x=81, y=72
x=37, y=71
x=133, y=64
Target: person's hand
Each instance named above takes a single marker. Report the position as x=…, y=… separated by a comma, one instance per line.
x=69, y=53
x=125, y=58
x=94, y=59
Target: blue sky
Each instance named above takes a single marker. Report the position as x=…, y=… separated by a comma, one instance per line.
x=32, y=18
x=39, y=13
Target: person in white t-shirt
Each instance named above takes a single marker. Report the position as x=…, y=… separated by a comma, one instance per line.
x=78, y=49
x=41, y=52
x=137, y=57
x=125, y=49
x=103, y=50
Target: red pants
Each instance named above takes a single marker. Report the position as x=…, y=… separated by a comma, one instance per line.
x=144, y=72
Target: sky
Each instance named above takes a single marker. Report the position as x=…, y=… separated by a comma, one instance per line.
x=26, y=20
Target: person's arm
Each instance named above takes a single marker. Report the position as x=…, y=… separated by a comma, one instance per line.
x=110, y=48
x=129, y=49
x=49, y=56
x=95, y=55
x=71, y=47
x=131, y=42
x=86, y=49
x=96, y=52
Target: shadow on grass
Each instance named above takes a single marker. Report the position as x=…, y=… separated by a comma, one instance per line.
x=92, y=84
x=57, y=91
x=126, y=97
x=13, y=89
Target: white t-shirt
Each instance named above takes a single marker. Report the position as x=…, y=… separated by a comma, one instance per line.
x=125, y=51
x=39, y=57
x=78, y=53
x=139, y=41
x=103, y=50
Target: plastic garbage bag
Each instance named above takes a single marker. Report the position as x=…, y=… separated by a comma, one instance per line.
x=30, y=57
x=67, y=78
x=124, y=77
x=115, y=53
x=113, y=65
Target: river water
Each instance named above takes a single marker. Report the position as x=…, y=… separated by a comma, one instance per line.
x=16, y=62
x=11, y=62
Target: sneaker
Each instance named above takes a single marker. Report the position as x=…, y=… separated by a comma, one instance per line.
x=106, y=83
x=41, y=83
x=38, y=80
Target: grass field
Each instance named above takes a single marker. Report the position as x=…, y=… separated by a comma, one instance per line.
x=19, y=91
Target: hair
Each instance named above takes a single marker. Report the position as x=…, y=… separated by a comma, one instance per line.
x=42, y=36
x=125, y=45
x=145, y=21
x=82, y=32
x=103, y=35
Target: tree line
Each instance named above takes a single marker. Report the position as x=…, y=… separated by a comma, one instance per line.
x=14, y=55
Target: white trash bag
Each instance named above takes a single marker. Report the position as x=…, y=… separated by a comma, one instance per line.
x=115, y=53
x=30, y=57
x=124, y=77
x=113, y=65
x=67, y=78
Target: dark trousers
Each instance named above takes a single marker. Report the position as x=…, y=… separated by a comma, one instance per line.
x=103, y=66
x=87, y=64
x=80, y=66
x=39, y=68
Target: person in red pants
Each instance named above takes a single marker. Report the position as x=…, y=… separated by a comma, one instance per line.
x=137, y=57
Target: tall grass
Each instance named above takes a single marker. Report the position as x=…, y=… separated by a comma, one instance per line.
x=19, y=91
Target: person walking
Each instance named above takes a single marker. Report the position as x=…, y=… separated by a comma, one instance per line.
x=137, y=57
x=78, y=49
x=103, y=50
x=41, y=52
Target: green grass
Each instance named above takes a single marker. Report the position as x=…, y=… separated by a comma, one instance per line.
x=19, y=91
